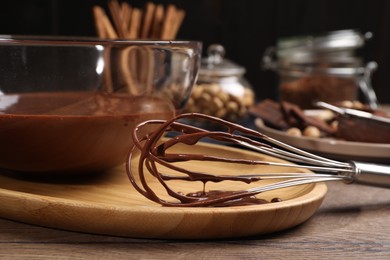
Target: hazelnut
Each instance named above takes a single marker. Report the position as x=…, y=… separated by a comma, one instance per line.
x=334, y=125
x=213, y=89
x=312, y=131
x=347, y=104
x=232, y=106
x=197, y=91
x=223, y=96
x=357, y=105
x=217, y=102
x=205, y=99
x=221, y=113
x=294, y=131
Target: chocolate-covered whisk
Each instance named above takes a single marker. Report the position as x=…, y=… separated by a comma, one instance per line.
x=155, y=157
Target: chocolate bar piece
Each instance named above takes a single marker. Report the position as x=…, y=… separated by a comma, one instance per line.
x=270, y=112
x=284, y=115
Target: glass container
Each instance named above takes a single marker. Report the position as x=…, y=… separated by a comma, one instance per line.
x=322, y=68
x=69, y=105
x=221, y=89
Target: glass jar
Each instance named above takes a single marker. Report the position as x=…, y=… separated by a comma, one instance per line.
x=221, y=90
x=322, y=68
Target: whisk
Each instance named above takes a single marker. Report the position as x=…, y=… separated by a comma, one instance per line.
x=155, y=157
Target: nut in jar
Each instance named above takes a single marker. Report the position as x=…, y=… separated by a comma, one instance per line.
x=221, y=90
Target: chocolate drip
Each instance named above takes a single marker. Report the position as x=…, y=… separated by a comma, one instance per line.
x=243, y=201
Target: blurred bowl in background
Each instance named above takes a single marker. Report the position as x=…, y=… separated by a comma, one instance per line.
x=69, y=105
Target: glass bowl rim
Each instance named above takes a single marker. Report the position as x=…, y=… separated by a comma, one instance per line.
x=85, y=40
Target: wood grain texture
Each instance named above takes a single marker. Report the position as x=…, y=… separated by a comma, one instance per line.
x=108, y=204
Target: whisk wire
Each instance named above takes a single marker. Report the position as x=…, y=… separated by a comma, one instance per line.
x=291, y=183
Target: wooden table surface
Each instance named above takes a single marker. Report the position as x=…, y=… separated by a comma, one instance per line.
x=353, y=222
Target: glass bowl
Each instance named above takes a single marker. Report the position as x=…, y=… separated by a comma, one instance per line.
x=69, y=105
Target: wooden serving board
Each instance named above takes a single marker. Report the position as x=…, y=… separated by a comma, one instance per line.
x=108, y=204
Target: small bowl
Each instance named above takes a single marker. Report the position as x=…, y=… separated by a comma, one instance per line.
x=69, y=105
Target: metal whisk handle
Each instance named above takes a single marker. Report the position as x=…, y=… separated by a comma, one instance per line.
x=371, y=174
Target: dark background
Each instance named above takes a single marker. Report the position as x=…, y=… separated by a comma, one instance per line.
x=245, y=27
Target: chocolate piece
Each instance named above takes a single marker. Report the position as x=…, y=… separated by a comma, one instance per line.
x=270, y=112
x=285, y=115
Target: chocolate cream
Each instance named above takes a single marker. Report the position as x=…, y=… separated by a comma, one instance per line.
x=71, y=132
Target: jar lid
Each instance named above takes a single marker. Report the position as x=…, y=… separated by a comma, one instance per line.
x=333, y=49
x=216, y=65
x=331, y=41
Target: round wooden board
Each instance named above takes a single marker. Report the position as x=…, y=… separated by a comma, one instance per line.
x=108, y=204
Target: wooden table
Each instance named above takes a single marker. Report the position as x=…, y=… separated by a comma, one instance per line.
x=353, y=222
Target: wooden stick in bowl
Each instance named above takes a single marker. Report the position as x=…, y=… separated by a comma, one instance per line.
x=169, y=20
x=99, y=25
x=103, y=24
x=130, y=23
x=157, y=22
x=115, y=11
x=180, y=14
x=135, y=24
x=126, y=10
x=147, y=21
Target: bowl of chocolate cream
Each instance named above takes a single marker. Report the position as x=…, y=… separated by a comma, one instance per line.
x=69, y=105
